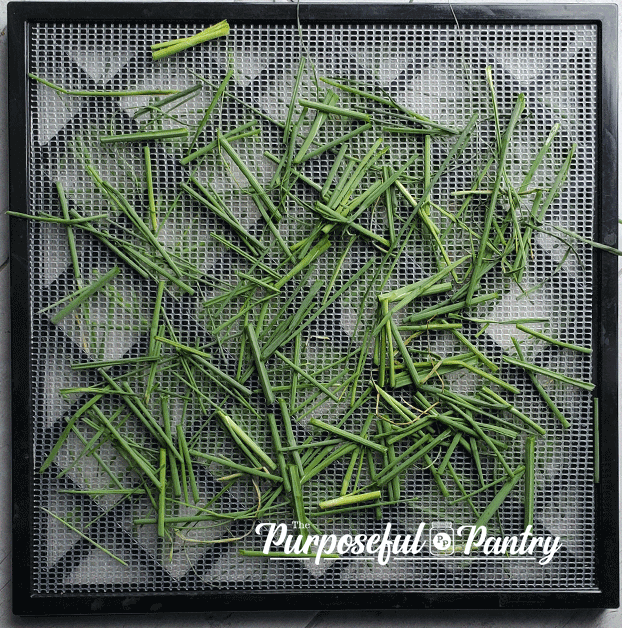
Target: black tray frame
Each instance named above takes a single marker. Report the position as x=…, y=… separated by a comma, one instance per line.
x=25, y=602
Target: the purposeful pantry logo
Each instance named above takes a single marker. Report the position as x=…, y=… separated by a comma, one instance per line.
x=433, y=541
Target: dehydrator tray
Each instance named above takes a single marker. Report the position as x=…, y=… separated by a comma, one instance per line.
x=194, y=379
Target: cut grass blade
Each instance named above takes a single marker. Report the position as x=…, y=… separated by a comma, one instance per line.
x=208, y=112
x=499, y=498
x=84, y=294
x=86, y=538
x=549, y=373
x=504, y=143
x=144, y=136
x=95, y=93
x=348, y=500
x=355, y=438
x=529, y=480
x=260, y=365
x=234, y=465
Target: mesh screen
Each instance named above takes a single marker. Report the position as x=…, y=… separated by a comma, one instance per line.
x=436, y=70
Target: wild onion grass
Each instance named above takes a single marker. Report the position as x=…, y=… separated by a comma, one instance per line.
x=329, y=100
x=238, y=467
x=94, y=93
x=340, y=219
x=500, y=497
x=162, y=102
x=144, y=136
x=553, y=341
x=84, y=536
x=248, y=129
x=85, y=293
x=217, y=96
x=529, y=480
x=571, y=381
x=348, y=500
x=167, y=48
x=504, y=143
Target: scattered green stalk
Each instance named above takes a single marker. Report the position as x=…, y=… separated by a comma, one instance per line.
x=183, y=445
x=326, y=461
x=450, y=450
x=273, y=212
x=290, y=112
x=69, y=222
x=167, y=48
x=234, y=465
x=297, y=501
x=208, y=112
x=306, y=376
x=262, y=372
x=207, y=363
x=355, y=438
x=85, y=294
x=94, y=93
x=469, y=345
x=86, y=538
x=348, y=500
x=335, y=111
x=577, y=236
x=499, y=498
x=538, y=386
x=234, y=428
x=233, y=135
x=529, y=479
x=144, y=466
x=278, y=448
x=389, y=102
x=68, y=428
x=330, y=99
x=510, y=408
x=167, y=101
x=552, y=374
x=144, y=136
x=476, y=272
x=71, y=239
x=503, y=478
x=166, y=419
x=162, y=497
x=333, y=143
x=150, y=195
x=289, y=434
x=440, y=310
x=553, y=341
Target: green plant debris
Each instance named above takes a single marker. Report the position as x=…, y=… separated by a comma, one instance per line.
x=167, y=48
x=236, y=374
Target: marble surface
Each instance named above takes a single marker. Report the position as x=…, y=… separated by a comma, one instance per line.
x=291, y=619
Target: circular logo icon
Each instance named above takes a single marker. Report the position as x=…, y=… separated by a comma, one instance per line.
x=442, y=541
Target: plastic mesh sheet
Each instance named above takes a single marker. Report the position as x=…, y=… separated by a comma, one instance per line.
x=436, y=70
